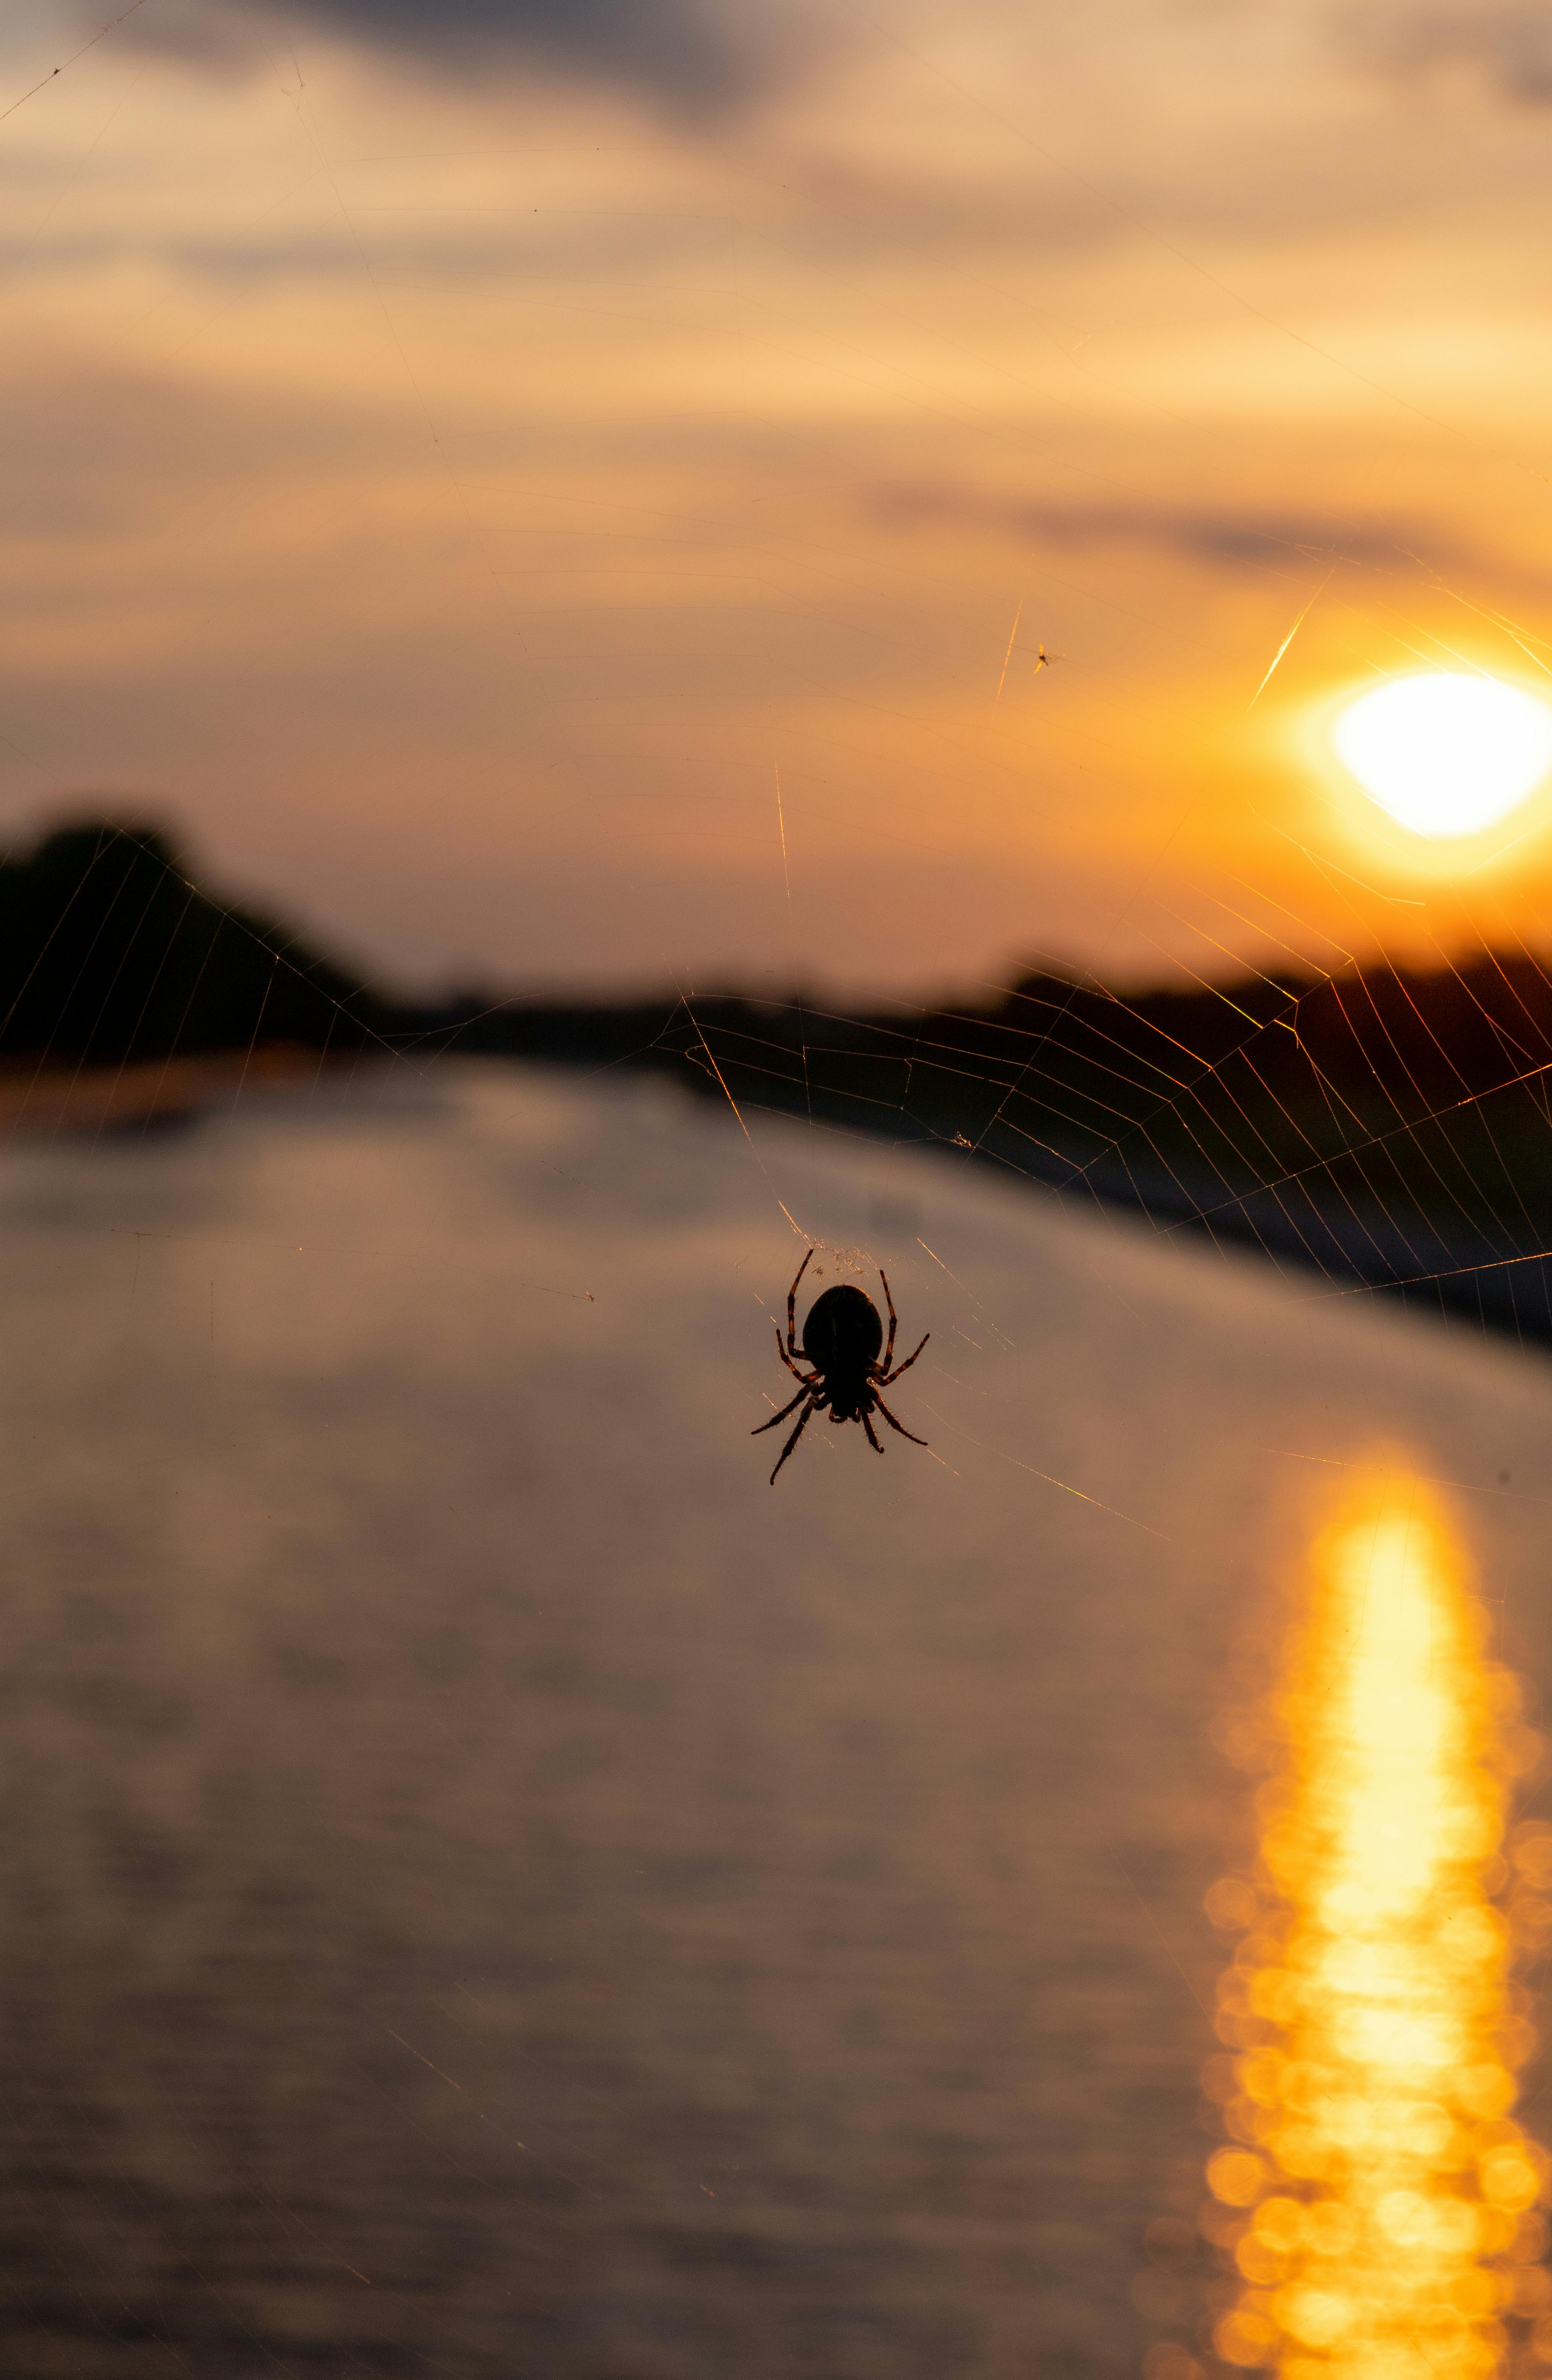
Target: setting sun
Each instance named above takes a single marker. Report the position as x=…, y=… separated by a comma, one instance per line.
x=1446, y=752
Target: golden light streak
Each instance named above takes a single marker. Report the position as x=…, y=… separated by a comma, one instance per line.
x=1286, y=642
x=1008, y=656
x=1376, y=2197
x=782, y=823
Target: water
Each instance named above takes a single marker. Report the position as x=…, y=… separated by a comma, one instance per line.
x=490, y=1887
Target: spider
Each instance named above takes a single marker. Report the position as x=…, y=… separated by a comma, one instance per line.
x=840, y=1338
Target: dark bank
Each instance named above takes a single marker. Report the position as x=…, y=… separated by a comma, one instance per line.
x=1385, y=1130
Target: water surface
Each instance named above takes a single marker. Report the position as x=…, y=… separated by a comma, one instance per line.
x=492, y=1888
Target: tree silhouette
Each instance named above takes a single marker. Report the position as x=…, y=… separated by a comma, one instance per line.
x=108, y=949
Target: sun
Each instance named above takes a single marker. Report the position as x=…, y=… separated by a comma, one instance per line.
x=1446, y=752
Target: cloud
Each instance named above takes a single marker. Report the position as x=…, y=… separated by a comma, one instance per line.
x=97, y=459
x=1512, y=47
x=1222, y=538
x=693, y=58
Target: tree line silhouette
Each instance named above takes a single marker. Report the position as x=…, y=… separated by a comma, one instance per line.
x=1391, y=1127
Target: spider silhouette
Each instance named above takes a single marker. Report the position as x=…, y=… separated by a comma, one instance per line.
x=840, y=1338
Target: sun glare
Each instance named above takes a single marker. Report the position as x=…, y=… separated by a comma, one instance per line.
x=1446, y=752
x=1378, y=2199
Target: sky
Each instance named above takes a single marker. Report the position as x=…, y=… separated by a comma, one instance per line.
x=574, y=493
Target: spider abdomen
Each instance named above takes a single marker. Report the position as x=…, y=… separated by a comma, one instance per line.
x=842, y=1338
x=843, y=1328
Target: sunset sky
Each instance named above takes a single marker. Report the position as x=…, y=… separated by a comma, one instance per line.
x=459, y=457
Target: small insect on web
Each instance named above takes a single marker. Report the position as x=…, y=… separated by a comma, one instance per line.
x=842, y=1337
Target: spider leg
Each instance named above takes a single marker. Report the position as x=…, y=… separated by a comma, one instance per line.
x=895, y=1425
x=889, y=1377
x=889, y=1351
x=791, y=1311
x=782, y=1415
x=792, y=1441
x=787, y=1359
x=871, y=1439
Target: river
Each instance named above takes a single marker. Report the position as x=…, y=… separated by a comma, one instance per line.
x=490, y=1887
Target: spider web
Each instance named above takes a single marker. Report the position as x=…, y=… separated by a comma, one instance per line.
x=1376, y=1125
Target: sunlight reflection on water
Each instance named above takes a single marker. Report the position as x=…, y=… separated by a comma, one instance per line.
x=1378, y=2199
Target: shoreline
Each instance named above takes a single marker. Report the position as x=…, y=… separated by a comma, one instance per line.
x=37, y=1100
